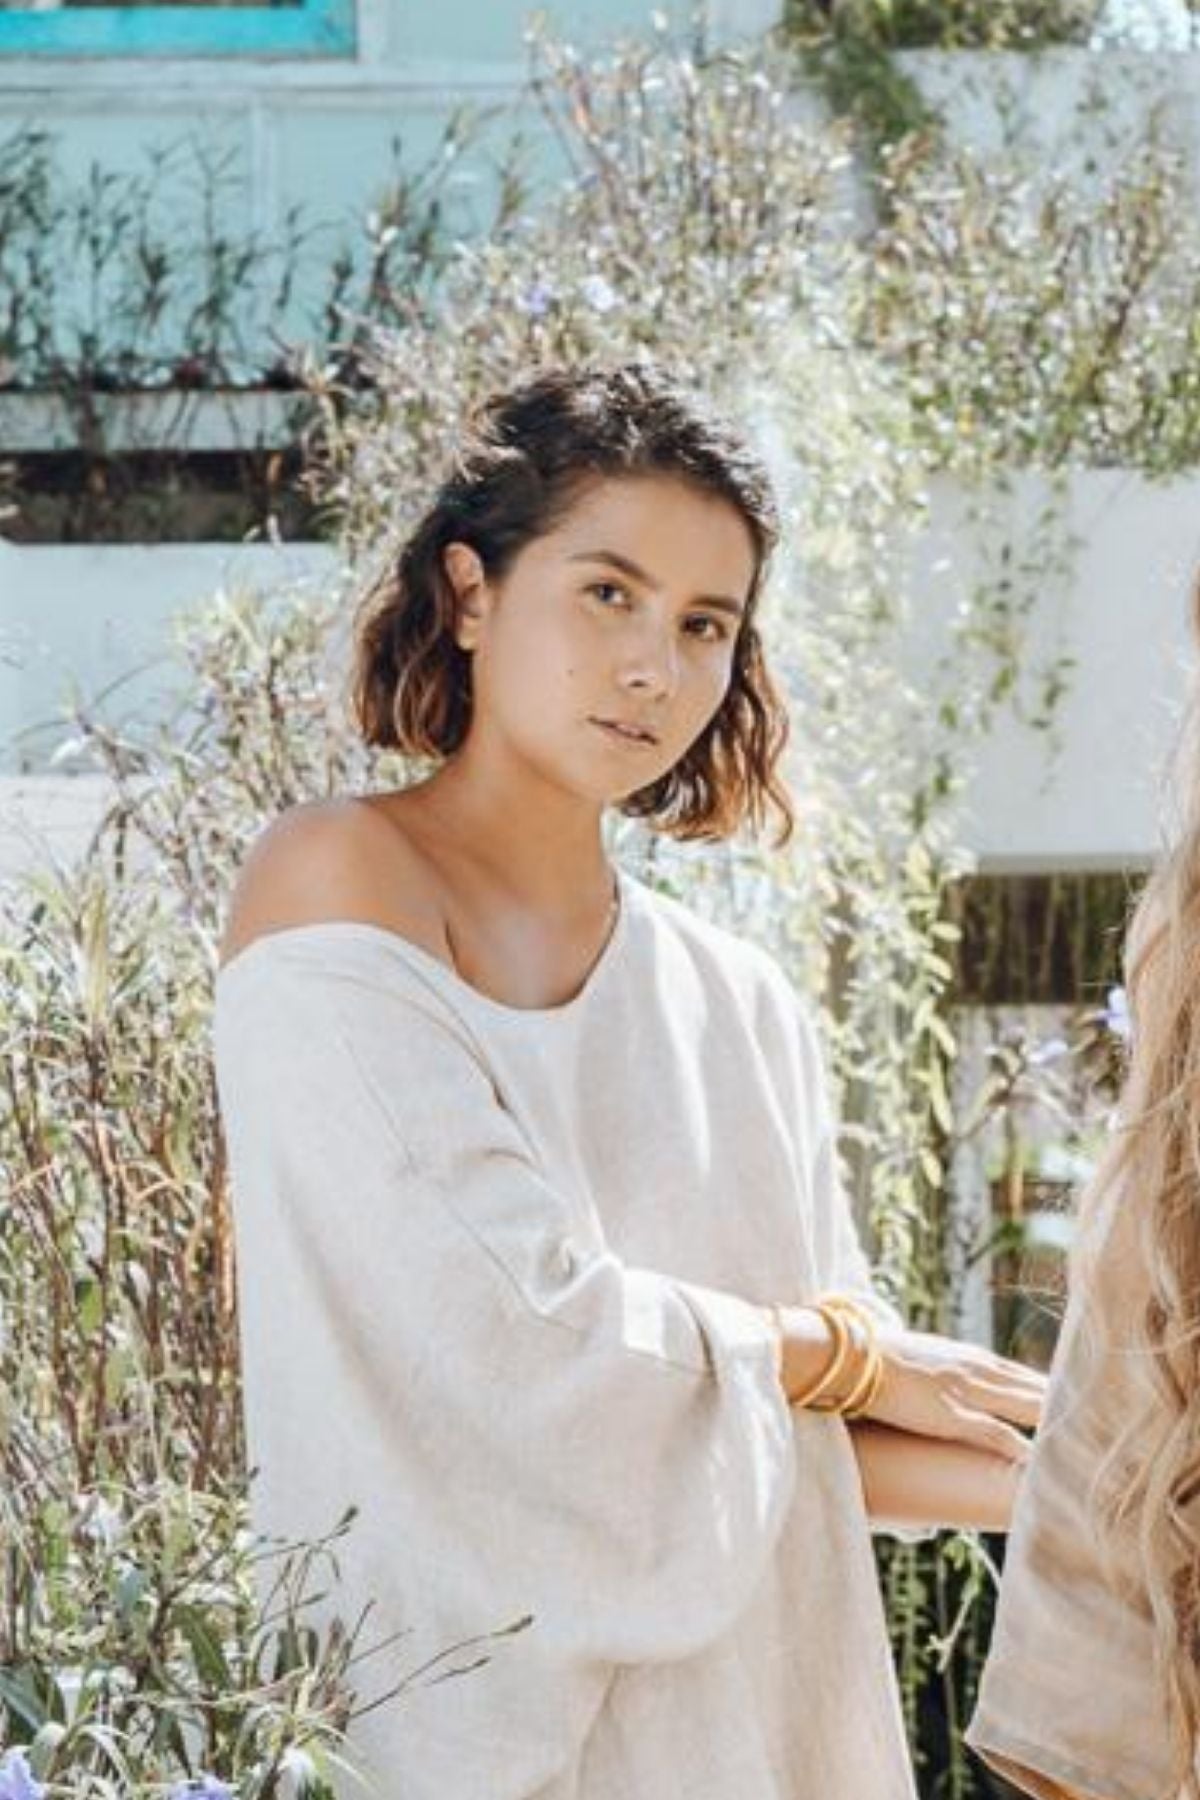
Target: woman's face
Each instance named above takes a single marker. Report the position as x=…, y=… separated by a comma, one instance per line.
x=624, y=615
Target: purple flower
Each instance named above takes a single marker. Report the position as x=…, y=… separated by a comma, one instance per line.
x=1048, y=1051
x=1116, y=1013
x=16, y=1779
x=202, y=1787
x=537, y=299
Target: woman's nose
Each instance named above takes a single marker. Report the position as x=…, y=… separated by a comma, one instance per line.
x=651, y=662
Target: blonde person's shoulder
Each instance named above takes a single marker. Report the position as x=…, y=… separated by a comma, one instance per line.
x=325, y=860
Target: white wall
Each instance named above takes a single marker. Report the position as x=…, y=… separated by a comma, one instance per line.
x=1074, y=113
x=100, y=614
x=1088, y=794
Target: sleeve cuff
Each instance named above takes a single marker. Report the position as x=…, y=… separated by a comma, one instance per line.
x=1045, y=1773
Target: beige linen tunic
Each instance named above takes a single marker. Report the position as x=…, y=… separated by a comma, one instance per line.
x=1070, y=1705
x=496, y=1268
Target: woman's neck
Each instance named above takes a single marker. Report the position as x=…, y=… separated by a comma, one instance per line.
x=539, y=846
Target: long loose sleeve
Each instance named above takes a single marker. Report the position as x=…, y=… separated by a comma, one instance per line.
x=841, y=1263
x=605, y=1447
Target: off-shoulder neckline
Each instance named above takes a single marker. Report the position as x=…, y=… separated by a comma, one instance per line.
x=316, y=929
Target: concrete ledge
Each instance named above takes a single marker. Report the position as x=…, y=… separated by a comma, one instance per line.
x=179, y=419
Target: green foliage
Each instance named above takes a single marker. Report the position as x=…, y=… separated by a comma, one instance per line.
x=129, y=1648
x=147, y=278
x=1036, y=324
x=1049, y=939
x=848, y=48
x=946, y=24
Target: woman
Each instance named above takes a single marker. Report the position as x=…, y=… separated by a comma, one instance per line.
x=1091, y=1690
x=535, y=1182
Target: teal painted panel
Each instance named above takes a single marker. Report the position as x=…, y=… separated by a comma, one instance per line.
x=340, y=162
x=492, y=30
x=307, y=28
x=337, y=159
x=149, y=164
x=125, y=143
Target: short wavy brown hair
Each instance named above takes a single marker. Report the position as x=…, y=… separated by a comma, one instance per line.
x=524, y=459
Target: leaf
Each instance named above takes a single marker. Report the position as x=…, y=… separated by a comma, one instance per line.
x=931, y=1168
x=939, y=1102
x=89, y=1304
x=20, y=1695
x=95, y=954
x=205, y=1646
x=130, y=1588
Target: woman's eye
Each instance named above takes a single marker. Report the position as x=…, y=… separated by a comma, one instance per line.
x=710, y=630
x=716, y=632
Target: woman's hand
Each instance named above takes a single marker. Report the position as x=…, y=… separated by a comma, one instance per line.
x=942, y=1388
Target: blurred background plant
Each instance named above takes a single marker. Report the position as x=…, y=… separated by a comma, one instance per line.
x=947, y=321
x=125, y=279
x=997, y=24
x=145, y=1632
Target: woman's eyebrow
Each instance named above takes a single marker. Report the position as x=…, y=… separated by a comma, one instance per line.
x=722, y=602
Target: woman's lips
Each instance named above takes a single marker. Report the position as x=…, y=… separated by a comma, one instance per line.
x=629, y=737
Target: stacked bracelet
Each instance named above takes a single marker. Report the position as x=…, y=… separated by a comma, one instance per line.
x=841, y=1315
x=816, y=1394
x=862, y=1395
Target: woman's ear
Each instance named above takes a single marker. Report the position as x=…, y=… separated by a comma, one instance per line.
x=468, y=583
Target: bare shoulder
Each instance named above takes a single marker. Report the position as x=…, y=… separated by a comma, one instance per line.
x=333, y=859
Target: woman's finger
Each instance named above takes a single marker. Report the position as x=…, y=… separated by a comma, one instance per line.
x=1023, y=1406
x=1006, y=1368
x=993, y=1434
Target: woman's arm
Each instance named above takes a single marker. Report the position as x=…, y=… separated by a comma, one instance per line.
x=941, y=1443
x=922, y=1481
x=932, y=1387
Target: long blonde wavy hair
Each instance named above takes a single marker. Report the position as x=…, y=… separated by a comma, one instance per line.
x=1140, y=1221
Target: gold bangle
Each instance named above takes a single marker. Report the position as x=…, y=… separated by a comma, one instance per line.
x=857, y=1384
x=872, y=1358
x=866, y=1384
x=854, y=1308
x=862, y=1395
x=814, y=1395
x=857, y=1404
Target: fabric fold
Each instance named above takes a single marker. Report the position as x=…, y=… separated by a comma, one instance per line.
x=501, y=1279
x=1070, y=1705
x=605, y=1445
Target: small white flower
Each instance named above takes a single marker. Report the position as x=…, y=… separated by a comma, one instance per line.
x=100, y=1520
x=1116, y=1013
x=598, y=293
x=1061, y=1162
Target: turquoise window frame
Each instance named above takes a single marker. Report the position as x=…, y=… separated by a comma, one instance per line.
x=308, y=28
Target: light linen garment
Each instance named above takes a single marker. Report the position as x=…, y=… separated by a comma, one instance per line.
x=1070, y=1705
x=496, y=1268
